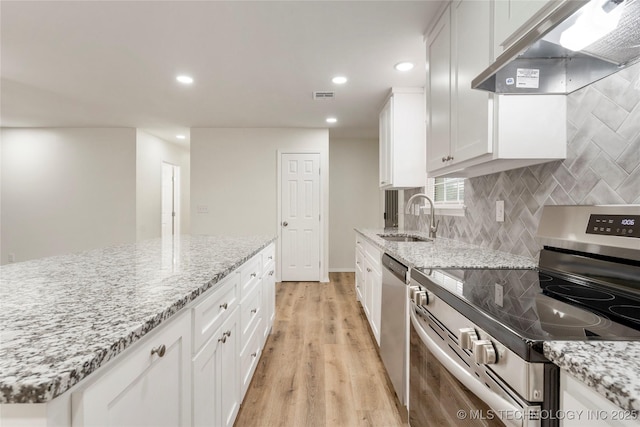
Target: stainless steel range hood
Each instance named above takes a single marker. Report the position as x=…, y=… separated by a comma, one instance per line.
x=538, y=64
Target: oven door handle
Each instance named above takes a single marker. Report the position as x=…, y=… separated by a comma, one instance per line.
x=495, y=402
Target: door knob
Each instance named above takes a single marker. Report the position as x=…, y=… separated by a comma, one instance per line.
x=285, y=223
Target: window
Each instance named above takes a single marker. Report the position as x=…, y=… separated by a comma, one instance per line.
x=448, y=195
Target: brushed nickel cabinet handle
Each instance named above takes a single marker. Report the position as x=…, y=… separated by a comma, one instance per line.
x=223, y=339
x=253, y=274
x=224, y=306
x=254, y=311
x=160, y=350
x=271, y=273
x=254, y=354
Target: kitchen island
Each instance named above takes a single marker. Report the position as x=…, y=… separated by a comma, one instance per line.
x=64, y=317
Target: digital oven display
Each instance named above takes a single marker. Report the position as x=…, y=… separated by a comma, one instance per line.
x=614, y=225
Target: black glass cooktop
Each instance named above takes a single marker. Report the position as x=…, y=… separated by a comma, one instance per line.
x=532, y=306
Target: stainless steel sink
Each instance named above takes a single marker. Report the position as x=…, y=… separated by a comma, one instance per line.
x=396, y=238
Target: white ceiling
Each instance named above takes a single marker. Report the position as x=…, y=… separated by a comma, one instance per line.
x=255, y=64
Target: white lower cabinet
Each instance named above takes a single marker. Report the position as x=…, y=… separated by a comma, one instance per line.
x=369, y=283
x=149, y=385
x=580, y=406
x=268, y=291
x=192, y=371
x=216, y=376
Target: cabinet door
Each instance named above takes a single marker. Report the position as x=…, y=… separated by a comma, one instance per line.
x=216, y=376
x=385, y=141
x=360, y=274
x=509, y=16
x=439, y=92
x=269, y=299
x=471, y=48
x=577, y=398
x=376, y=303
x=369, y=278
x=143, y=388
x=229, y=371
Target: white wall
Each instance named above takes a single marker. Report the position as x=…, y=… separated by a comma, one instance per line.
x=233, y=173
x=354, y=197
x=66, y=190
x=151, y=151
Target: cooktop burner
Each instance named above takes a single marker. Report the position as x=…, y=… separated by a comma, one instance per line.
x=579, y=293
x=539, y=307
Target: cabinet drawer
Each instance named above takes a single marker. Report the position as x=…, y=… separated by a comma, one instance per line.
x=210, y=313
x=250, y=274
x=268, y=256
x=149, y=385
x=249, y=359
x=373, y=254
x=250, y=314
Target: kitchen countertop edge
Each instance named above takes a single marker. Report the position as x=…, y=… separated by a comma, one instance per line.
x=43, y=392
x=443, y=253
x=598, y=365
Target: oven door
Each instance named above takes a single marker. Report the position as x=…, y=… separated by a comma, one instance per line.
x=444, y=392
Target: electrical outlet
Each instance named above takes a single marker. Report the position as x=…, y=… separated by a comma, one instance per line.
x=500, y=210
x=499, y=295
x=202, y=209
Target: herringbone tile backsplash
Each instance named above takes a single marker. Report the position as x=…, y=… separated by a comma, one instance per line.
x=602, y=167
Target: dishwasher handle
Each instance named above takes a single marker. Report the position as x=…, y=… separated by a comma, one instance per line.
x=395, y=267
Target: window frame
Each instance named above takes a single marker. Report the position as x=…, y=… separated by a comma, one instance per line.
x=445, y=208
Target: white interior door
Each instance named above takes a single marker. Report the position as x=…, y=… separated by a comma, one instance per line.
x=300, y=217
x=170, y=214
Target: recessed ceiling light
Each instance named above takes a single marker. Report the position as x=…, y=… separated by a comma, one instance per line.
x=331, y=120
x=339, y=80
x=404, y=66
x=187, y=80
x=180, y=136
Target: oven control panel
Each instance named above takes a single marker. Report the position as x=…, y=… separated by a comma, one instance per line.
x=614, y=225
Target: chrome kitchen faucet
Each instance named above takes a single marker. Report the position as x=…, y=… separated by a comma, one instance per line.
x=433, y=227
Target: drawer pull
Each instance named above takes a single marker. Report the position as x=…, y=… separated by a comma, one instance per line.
x=253, y=274
x=254, y=354
x=271, y=273
x=160, y=350
x=270, y=256
x=224, y=306
x=254, y=311
x=368, y=269
x=224, y=337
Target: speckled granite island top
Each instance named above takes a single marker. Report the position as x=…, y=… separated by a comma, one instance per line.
x=443, y=253
x=612, y=368
x=63, y=317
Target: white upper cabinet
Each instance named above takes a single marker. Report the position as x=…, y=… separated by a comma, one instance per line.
x=402, y=136
x=471, y=132
x=511, y=16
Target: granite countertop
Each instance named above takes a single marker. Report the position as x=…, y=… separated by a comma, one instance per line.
x=444, y=253
x=63, y=317
x=612, y=368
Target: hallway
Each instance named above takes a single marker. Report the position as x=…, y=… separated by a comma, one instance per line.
x=320, y=366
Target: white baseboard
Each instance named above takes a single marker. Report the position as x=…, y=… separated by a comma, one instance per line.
x=342, y=270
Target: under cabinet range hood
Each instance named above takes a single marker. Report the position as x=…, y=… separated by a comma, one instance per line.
x=570, y=46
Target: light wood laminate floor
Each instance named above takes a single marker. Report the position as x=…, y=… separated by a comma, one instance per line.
x=320, y=366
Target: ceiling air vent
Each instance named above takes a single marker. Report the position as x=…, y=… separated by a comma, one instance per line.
x=323, y=95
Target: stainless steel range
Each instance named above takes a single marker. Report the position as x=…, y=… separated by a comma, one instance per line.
x=476, y=336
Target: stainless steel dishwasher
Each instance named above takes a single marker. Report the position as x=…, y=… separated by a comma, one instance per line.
x=393, y=323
